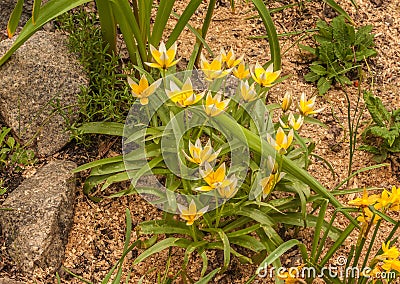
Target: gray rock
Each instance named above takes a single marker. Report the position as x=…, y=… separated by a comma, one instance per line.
x=41, y=77
x=36, y=229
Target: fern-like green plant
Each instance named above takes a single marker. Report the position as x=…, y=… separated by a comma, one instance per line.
x=382, y=137
x=340, y=49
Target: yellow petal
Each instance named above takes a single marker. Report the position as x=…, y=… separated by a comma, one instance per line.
x=192, y=207
x=144, y=101
x=204, y=188
x=220, y=173
x=280, y=136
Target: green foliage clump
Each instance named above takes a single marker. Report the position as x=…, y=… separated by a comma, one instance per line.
x=340, y=49
x=382, y=137
x=107, y=97
x=12, y=154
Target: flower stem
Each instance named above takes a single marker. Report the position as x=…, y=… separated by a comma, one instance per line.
x=194, y=236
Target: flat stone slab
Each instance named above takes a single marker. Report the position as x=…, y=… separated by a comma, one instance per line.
x=36, y=229
x=38, y=86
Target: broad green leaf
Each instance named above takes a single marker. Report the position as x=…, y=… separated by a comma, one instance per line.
x=311, y=77
x=107, y=128
x=3, y=133
x=377, y=110
x=97, y=163
x=382, y=132
x=308, y=48
x=318, y=69
x=323, y=85
x=342, y=79
x=364, y=54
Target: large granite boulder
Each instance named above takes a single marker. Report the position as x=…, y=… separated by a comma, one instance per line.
x=37, y=226
x=38, y=86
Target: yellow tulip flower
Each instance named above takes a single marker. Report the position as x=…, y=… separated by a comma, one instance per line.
x=248, y=93
x=190, y=214
x=241, y=72
x=265, y=77
x=365, y=201
x=163, y=58
x=306, y=107
x=282, y=141
x=388, y=252
x=290, y=277
x=295, y=124
x=198, y=155
x=268, y=183
x=184, y=96
x=391, y=264
x=287, y=101
x=395, y=199
x=142, y=90
x=214, y=69
x=229, y=190
x=214, y=179
x=366, y=215
x=230, y=58
x=215, y=105
x=384, y=200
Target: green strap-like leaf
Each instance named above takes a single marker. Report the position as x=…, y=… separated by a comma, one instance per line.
x=339, y=9
x=130, y=29
x=226, y=245
x=164, y=227
x=161, y=245
x=163, y=13
x=271, y=33
x=183, y=21
x=48, y=12
x=14, y=18
x=107, y=128
x=208, y=277
x=278, y=252
x=108, y=24
x=36, y=10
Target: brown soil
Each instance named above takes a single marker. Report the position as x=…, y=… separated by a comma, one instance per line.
x=97, y=236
